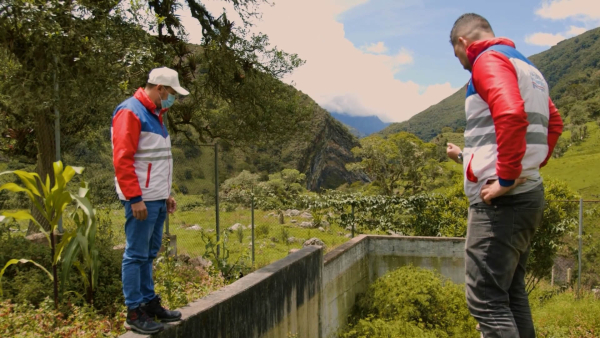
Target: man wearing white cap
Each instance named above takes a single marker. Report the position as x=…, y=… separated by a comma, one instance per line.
x=143, y=178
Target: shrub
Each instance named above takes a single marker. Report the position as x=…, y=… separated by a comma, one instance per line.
x=559, y=218
x=415, y=297
x=374, y=328
x=188, y=174
x=563, y=316
x=262, y=230
x=25, y=282
x=24, y=320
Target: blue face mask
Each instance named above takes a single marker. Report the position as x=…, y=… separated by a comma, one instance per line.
x=168, y=102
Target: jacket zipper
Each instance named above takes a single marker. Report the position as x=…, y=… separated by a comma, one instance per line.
x=148, y=176
x=168, y=161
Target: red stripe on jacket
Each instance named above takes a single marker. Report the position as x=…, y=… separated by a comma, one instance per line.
x=495, y=80
x=126, y=135
x=555, y=129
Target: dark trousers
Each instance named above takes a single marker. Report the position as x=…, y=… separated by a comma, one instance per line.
x=497, y=246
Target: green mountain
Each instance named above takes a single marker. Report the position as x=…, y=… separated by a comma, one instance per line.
x=571, y=69
x=364, y=125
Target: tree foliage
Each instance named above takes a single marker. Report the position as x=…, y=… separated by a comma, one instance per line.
x=402, y=161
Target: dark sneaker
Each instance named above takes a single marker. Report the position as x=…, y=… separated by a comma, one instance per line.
x=155, y=310
x=138, y=320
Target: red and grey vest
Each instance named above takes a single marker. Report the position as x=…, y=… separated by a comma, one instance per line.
x=141, y=150
x=508, y=111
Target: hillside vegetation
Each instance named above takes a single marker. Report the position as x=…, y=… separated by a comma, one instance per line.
x=579, y=165
x=571, y=69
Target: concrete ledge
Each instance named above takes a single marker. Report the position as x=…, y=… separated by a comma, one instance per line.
x=308, y=295
x=338, y=251
x=270, y=302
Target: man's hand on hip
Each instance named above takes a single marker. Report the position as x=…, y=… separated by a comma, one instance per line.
x=452, y=151
x=171, y=205
x=493, y=190
x=139, y=210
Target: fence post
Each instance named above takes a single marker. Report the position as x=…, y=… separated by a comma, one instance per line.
x=217, y=198
x=57, y=128
x=552, y=277
x=579, y=254
x=252, y=220
x=569, y=276
x=352, y=220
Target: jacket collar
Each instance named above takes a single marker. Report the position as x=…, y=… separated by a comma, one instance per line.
x=478, y=47
x=141, y=95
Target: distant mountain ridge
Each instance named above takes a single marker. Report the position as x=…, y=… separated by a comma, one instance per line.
x=568, y=67
x=361, y=126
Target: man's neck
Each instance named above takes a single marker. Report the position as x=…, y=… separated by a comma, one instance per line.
x=153, y=95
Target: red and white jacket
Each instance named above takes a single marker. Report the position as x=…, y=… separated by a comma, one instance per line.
x=512, y=124
x=141, y=150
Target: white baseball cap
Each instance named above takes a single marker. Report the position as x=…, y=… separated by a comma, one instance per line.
x=166, y=77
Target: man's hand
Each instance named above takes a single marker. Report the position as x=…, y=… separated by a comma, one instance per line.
x=139, y=210
x=452, y=151
x=493, y=190
x=171, y=205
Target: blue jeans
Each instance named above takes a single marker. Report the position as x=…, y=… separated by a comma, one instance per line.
x=497, y=247
x=143, y=241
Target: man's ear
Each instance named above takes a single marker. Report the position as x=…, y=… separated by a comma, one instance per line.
x=463, y=42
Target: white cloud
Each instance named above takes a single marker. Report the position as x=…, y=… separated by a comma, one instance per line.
x=563, y=9
x=586, y=11
x=404, y=57
x=549, y=39
x=576, y=30
x=375, y=48
x=338, y=75
x=544, y=39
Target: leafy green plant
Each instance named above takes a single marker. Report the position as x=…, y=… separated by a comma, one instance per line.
x=240, y=234
x=50, y=201
x=559, y=219
x=284, y=235
x=221, y=262
x=167, y=263
x=413, y=302
x=317, y=217
x=262, y=230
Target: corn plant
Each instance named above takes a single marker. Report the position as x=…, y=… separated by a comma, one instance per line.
x=51, y=201
x=81, y=242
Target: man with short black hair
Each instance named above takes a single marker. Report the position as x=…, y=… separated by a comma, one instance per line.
x=512, y=128
x=143, y=178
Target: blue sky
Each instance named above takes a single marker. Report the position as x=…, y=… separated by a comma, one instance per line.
x=423, y=26
x=392, y=58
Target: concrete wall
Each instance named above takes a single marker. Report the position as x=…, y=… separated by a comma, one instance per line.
x=308, y=294
x=352, y=267
x=280, y=298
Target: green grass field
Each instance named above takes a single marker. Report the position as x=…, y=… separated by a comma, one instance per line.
x=271, y=238
x=580, y=165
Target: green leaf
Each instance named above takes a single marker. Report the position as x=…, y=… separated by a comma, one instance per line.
x=86, y=280
x=86, y=206
x=26, y=215
x=77, y=294
x=16, y=188
x=29, y=180
x=69, y=256
x=59, y=180
x=60, y=247
x=70, y=172
x=22, y=260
